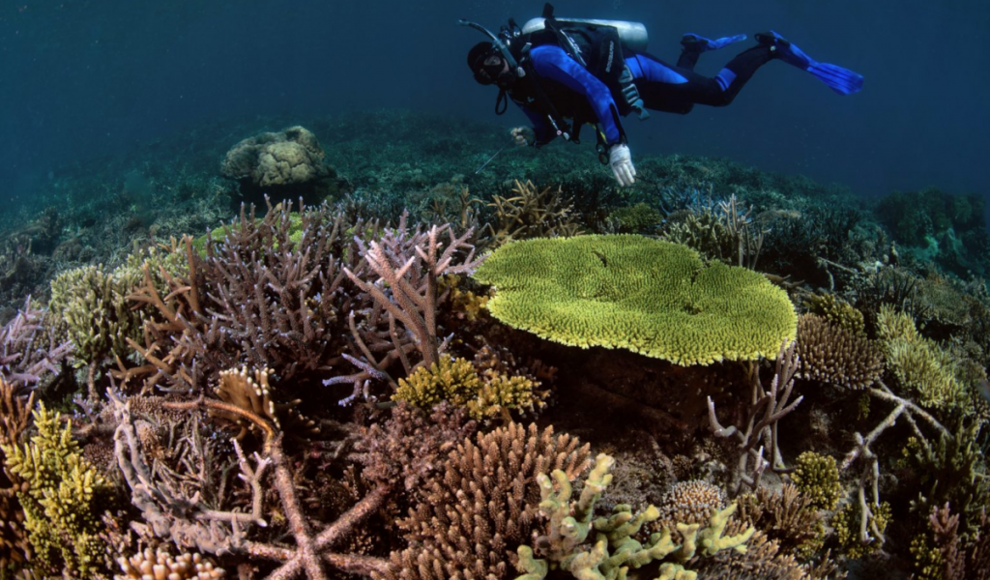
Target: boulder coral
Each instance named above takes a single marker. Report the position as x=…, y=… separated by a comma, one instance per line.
x=287, y=162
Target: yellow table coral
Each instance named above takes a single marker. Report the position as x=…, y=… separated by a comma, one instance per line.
x=637, y=293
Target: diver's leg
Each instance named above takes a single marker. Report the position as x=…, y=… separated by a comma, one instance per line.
x=676, y=90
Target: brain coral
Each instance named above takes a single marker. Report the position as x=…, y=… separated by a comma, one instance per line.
x=289, y=157
x=637, y=293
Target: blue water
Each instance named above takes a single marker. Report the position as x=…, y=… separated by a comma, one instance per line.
x=87, y=78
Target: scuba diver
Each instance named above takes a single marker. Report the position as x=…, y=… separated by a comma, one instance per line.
x=569, y=72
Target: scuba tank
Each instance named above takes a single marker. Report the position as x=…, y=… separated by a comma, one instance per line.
x=633, y=35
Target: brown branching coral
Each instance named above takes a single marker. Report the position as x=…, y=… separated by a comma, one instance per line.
x=766, y=408
x=952, y=557
x=267, y=295
x=411, y=446
x=785, y=516
x=15, y=417
x=532, y=213
x=832, y=354
x=473, y=519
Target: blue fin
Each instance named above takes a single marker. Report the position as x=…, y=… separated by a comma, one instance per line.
x=837, y=78
x=840, y=80
x=698, y=43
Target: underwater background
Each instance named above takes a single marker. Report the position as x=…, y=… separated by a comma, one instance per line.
x=280, y=299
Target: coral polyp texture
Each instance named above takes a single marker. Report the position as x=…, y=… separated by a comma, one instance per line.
x=640, y=294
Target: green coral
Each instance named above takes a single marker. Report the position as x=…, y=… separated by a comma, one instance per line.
x=636, y=218
x=846, y=525
x=644, y=295
x=568, y=545
x=456, y=380
x=97, y=317
x=918, y=363
x=952, y=471
x=62, y=505
x=817, y=478
x=837, y=311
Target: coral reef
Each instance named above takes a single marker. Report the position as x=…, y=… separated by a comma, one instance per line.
x=609, y=291
x=205, y=465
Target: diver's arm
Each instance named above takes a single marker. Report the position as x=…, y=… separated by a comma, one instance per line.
x=553, y=63
x=540, y=127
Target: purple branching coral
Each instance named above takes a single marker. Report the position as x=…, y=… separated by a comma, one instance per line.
x=400, y=273
x=266, y=296
x=27, y=350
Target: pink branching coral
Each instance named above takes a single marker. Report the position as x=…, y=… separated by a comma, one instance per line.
x=400, y=272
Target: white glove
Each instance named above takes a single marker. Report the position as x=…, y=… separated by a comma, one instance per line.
x=621, y=161
x=523, y=136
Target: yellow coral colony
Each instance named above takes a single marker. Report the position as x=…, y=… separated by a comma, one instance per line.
x=637, y=293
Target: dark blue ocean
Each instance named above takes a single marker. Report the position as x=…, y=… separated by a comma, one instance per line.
x=83, y=79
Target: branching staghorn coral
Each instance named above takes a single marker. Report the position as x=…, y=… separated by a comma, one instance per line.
x=172, y=502
x=400, y=272
x=786, y=516
x=947, y=555
x=267, y=295
x=171, y=512
x=28, y=349
x=765, y=410
x=862, y=456
x=532, y=213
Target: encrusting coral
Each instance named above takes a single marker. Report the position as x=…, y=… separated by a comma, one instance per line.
x=644, y=295
x=63, y=500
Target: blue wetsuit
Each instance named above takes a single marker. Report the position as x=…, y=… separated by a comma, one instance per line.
x=579, y=95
